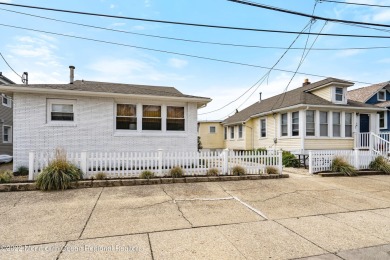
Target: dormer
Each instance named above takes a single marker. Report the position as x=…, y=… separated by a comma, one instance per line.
x=331, y=89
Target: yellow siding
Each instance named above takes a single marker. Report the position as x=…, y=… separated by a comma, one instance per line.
x=209, y=140
x=329, y=144
x=325, y=93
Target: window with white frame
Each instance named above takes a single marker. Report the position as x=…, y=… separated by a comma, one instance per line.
x=382, y=95
x=295, y=124
x=336, y=124
x=348, y=124
x=7, y=134
x=232, y=132
x=175, y=119
x=240, y=131
x=6, y=101
x=61, y=110
x=324, y=123
x=383, y=119
x=151, y=118
x=212, y=129
x=310, y=123
x=263, y=128
x=283, y=124
x=126, y=117
x=225, y=132
x=339, y=94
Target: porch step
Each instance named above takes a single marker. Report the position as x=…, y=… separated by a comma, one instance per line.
x=359, y=173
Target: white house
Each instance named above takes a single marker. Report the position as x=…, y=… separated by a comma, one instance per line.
x=97, y=116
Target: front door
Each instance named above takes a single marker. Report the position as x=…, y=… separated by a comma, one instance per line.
x=364, y=130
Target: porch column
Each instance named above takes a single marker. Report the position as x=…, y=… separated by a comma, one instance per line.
x=302, y=128
x=374, y=123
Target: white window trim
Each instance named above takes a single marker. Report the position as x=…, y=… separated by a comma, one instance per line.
x=385, y=120
x=215, y=130
x=9, y=135
x=344, y=101
x=230, y=132
x=116, y=115
x=9, y=101
x=299, y=124
x=52, y=101
x=315, y=123
x=288, y=125
x=266, y=123
x=238, y=132
x=341, y=124
x=166, y=118
x=381, y=91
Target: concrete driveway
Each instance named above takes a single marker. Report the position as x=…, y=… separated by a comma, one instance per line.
x=301, y=217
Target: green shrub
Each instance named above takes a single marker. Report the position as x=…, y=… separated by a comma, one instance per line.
x=213, y=172
x=238, y=170
x=380, y=164
x=146, y=175
x=289, y=160
x=58, y=174
x=261, y=149
x=6, y=176
x=339, y=164
x=100, y=176
x=272, y=170
x=21, y=171
x=176, y=172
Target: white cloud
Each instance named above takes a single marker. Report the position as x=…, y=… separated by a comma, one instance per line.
x=138, y=28
x=177, y=63
x=118, y=24
x=382, y=16
x=147, y=3
x=349, y=53
x=112, y=6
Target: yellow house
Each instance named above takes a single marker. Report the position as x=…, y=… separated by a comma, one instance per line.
x=211, y=135
x=315, y=116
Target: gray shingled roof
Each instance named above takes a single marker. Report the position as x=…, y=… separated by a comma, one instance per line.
x=5, y=80
x=293, y=97
x=105, y=87
x=383, y=104
x=365, y=93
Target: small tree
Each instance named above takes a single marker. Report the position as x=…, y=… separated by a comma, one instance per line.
x=200, y=146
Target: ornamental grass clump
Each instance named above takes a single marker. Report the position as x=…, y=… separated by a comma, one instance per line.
x=272, y=170
x=238, y=170
x=213, y=172
x=100, y=176
x=380, y=164
x=339, y=164
x=146, y=175
x=6, y=176
x=176, y=172
x=21, y=171
x=59, y=174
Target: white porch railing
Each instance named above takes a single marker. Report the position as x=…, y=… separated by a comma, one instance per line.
x=378, y=143
x=132, y=164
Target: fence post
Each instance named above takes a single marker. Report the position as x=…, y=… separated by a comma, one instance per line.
x=356, y=161
x=31, y=163
x=280, y=161
x=225, y=161
x=371, y=141
x=310, y=162
x=160, y=162
x=84, y=162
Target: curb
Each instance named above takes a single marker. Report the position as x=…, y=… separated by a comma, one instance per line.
x=137, y=182
x=359, y=173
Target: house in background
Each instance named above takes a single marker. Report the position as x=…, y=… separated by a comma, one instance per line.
x=378, y=95
x=6, y=123
x=315, y=116
x=211, y=135
x=102, y=117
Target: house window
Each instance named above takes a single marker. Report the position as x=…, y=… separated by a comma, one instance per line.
x=175, y=119
x=151, y=118
x=61, y=112
x=284, y=125
x=240, y=131
x=6, y=101
x=310, y=123
x=336, y=124
x=323, y=123
x=383, y=119
x=232, y=132
x=263, y=128
x=295, y=123
x=382, y=95
x=212, y=129
x=225, y=133
x=126, y=117
x=348, y=124
x=339, y=94
x=7, y=134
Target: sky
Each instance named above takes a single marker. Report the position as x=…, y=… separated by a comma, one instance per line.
x=47, y=57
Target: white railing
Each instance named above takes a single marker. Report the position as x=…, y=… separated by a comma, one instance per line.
x=378, y=143
x=362, y=140
x=320, y=161
x=132, y=164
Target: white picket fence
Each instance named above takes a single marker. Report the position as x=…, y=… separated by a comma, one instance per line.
x=132, y=164
x=320, y=161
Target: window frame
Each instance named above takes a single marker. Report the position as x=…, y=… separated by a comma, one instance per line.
x=215, y=129
x=348, y=125
x=161, y=118
x=384, y=119
x=314, y=123
x=281, y=125
x=263, y=120
x=240, y=131
x=384, y=95
x=327, y=123
x=9, y=101
x=339, y=124
x=167, y=118
x=9, y=134
x=49, y=105
x=225, y=132
x=136, y=116
x=294, y=124
x=232, y=132
x=335, y=94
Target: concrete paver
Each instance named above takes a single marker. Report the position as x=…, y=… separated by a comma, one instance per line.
x=330, y=234
x=383, y=212
x=373, y=253
x=120, y=247
x=195, y=190
x=34, y=252
x=355, y=184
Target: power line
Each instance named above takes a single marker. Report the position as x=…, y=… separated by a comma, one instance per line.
x=168, y=52
x=351, y=3
x=6, y=62
x=195, y=41
x=273, y=8
x=190, y=24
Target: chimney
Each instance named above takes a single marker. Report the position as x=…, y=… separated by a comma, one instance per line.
x=71, y=74
x=260, y=96
x=306, y=82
